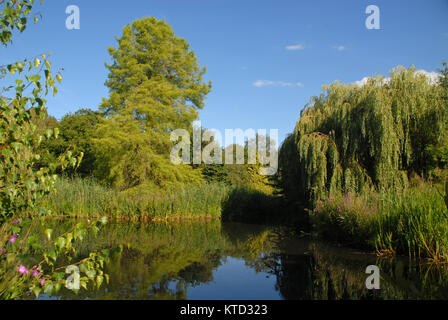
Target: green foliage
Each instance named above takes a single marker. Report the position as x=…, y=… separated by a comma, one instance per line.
x=24, y=184
x=412, y=222
x=251, y=205
x=446, y=194
x=444, y=75
x=76, y=132
x=155, y=86
x=21, y=186
x=353, y=139
x=357, y=155
x=86, y=198
x=14, y=16
x=238, y=175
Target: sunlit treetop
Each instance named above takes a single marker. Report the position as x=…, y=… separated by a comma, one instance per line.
x=150, y=61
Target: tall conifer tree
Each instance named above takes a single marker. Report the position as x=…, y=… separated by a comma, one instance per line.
x=156, y=86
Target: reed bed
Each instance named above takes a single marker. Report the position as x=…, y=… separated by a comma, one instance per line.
x=79, y=198
x=413, y=222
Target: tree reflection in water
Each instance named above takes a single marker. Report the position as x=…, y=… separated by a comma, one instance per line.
x=164, y=261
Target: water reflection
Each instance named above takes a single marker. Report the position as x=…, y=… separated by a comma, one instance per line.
x=211, y=260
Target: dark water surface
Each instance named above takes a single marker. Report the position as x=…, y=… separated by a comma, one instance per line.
x=214, y=260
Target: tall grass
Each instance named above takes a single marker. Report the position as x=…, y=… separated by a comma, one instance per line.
x=412, y=222
x=85, y=198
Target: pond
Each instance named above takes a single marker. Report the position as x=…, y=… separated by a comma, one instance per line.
x=214, y=260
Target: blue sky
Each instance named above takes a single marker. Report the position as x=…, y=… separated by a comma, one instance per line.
x=265, y=58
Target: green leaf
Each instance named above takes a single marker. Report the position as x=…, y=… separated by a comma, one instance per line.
x=91, y=274
x=48, y=133
x=69, y=238
x=58, y=276
x=12, y=69
x=16, y=229
x=60, y=242
x=83, y=267
x=53, y=255
x=48, y=233
x=34, y=78
x=20, y=66
x=57, y=287
x=36, y=290
x=99, y=280
x=49, y=289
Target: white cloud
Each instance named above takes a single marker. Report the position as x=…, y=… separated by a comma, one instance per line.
x=263, y=83
x=295, y=47
x=340, y=48
x=270, y=83
x=362, y=82
x=432, y=77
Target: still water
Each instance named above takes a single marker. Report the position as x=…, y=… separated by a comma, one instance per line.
x=214, y=260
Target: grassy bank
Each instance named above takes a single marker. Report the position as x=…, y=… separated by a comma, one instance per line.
x=413, y=222
x=85, y=198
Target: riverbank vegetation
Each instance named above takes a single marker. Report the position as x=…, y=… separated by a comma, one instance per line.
x=26, y=266
x=115, y=161
x=85, y=198
x=369, y=162
x=126, y=144
x=372, y=161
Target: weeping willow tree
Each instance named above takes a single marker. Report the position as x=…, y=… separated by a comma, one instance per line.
x=353, y=138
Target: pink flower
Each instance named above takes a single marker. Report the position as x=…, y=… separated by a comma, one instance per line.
x=13, y=238
x=35, y=273
x=16, y=221
x=42, y=282
x=23, y=270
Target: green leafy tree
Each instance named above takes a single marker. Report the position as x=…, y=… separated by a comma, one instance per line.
x=444, y=76
x=77, y=132
x=156, y=86
x=352, y=138
x=439, y=150
x=243, y=175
